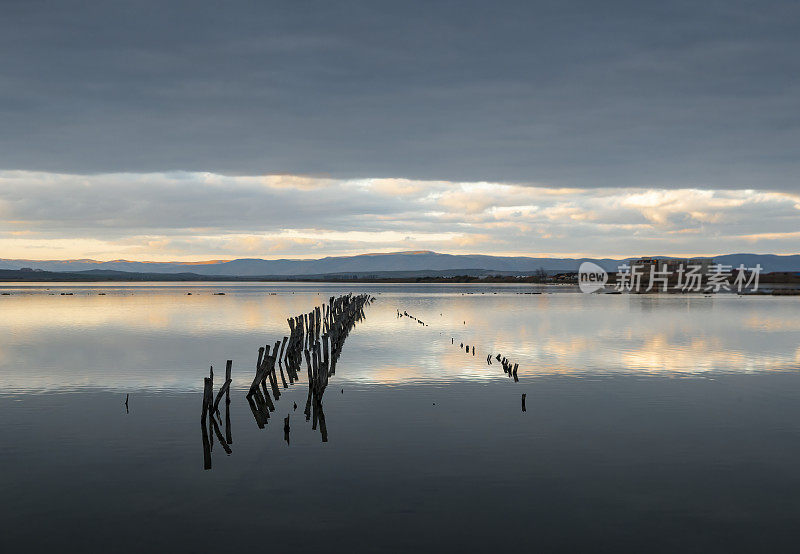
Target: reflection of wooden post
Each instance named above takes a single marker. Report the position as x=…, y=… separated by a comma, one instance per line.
x=206, y=446
x=323, y=429
x=523, y=402
x=207, y=392
x=266, y=397
x=256, y=409
x=307, y=411
x=308, y=366
x=314, y=413
x=228, y=436
x=221, y=440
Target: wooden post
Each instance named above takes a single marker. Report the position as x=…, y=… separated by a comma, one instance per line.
x=222, y=390
x=283, y=344
x=326, y=364
x=283, y=378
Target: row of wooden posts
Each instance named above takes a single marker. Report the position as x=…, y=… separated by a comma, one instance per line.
x=508, y=368
x=317, y=337
x=406, y=314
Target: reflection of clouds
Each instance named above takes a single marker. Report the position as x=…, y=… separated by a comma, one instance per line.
x=659, y=354
x=160, y=310
x=159, y=338
x=576, y=334
x=52, y=381
x=569, y=347
x=448, y=368
x=765, y=323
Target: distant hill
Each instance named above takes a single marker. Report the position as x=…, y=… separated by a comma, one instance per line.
x=99, y=275
x=410, y=263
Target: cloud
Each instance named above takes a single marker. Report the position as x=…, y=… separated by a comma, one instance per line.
x=191, y=216
x=669, y=95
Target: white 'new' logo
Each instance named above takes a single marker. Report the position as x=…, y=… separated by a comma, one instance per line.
x=591, y=277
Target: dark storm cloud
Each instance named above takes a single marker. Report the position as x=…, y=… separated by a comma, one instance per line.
x=662, y=94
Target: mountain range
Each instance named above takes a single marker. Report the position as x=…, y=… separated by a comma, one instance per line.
x=408, y=263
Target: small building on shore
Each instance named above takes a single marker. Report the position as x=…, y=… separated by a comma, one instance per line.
x=675, y=270
x=673, y=265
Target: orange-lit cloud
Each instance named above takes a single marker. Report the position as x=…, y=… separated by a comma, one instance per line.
x=184, y=216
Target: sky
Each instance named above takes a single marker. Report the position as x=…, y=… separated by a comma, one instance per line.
x=204, y=130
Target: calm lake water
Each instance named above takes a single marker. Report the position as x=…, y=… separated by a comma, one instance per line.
x=653, y=423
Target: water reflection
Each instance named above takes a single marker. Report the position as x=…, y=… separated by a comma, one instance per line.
x=718, y=455
x=156, y=338
x=210, y=415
